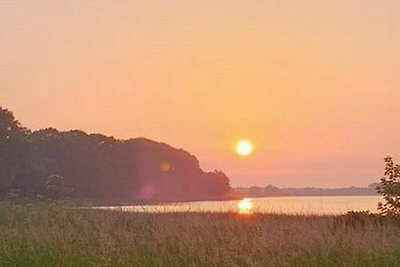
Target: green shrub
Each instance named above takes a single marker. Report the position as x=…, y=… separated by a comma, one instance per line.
x=389, y=188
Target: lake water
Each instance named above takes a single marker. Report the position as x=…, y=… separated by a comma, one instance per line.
x=288, y=205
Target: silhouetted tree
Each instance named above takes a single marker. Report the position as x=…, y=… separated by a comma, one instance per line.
x=14, y=149
x=217, y=185
x=389, y=188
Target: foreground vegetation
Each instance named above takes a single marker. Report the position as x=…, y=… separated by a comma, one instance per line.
x=52, y=235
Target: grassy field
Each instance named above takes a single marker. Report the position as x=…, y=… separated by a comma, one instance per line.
x=59, y=235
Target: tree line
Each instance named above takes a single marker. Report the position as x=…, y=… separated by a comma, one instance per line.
x=271, y=190
x=54, y=164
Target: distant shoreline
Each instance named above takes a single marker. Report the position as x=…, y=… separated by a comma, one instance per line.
x=273, y=191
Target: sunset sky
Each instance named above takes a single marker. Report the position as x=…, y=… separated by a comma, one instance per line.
x=315, y=85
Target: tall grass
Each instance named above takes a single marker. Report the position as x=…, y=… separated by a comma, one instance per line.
x=53, y=235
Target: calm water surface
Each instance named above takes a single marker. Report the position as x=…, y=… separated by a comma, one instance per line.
x=287, y=205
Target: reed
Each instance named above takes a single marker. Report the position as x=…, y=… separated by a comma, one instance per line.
x=43, y=234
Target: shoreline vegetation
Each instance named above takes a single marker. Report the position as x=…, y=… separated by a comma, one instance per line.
x=274, y=191
x=54, y=234
x=53, y=164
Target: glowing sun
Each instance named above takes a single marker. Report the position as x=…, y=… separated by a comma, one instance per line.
x=244, y=148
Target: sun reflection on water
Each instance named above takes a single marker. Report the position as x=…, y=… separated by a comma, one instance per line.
x=245, y=206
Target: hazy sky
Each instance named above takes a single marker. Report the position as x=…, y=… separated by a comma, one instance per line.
x=314, y=84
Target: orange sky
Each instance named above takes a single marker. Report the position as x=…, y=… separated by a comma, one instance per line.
x=314, y=84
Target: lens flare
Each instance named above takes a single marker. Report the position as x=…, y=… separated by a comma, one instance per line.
x=165, y=167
